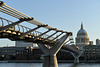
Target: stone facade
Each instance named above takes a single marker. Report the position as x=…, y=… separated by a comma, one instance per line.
x=92, y=52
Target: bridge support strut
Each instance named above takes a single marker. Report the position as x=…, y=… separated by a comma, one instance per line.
x=76, y=60
x=76, y=57
x=50, y=59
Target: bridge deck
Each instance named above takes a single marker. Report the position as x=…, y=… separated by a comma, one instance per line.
x=13, y=34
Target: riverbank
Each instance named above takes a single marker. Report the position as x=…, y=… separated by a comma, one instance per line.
x=22, y=61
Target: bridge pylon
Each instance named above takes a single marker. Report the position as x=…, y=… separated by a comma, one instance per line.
x=50, y=59
x=76, y=60
x=76, y=57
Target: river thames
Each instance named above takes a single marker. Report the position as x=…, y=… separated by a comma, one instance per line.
x=40, y=65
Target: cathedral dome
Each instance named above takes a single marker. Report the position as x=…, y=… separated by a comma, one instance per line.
x=82, y=32
x=82, y=38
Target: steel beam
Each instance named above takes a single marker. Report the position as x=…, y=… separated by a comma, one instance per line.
x=60, y=38
x=50, y=36
x=57, y=45
x=41, y=35
x=66, y=41
x=56, y=37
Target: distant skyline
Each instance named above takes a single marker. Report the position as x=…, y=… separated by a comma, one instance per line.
x=62, y=14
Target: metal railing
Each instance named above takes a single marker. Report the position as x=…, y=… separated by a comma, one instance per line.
x=21, y=28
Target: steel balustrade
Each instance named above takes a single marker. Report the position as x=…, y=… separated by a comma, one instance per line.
x=22, y=29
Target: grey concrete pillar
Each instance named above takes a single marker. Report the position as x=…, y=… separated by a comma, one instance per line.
x=76, y=59
x=50, y=59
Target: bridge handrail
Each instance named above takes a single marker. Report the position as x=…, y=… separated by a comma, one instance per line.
x=24, y=27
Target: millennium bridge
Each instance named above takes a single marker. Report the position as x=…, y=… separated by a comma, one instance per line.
x=49, y=44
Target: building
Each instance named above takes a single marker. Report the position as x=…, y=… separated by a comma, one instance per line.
x=92, y=52
x=82, y=38
x=90, y=42
x=97, y=42
x=24, y=44
x=8, y=53
x=29, y=53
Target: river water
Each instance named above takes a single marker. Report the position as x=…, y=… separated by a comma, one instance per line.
x=40, y=65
